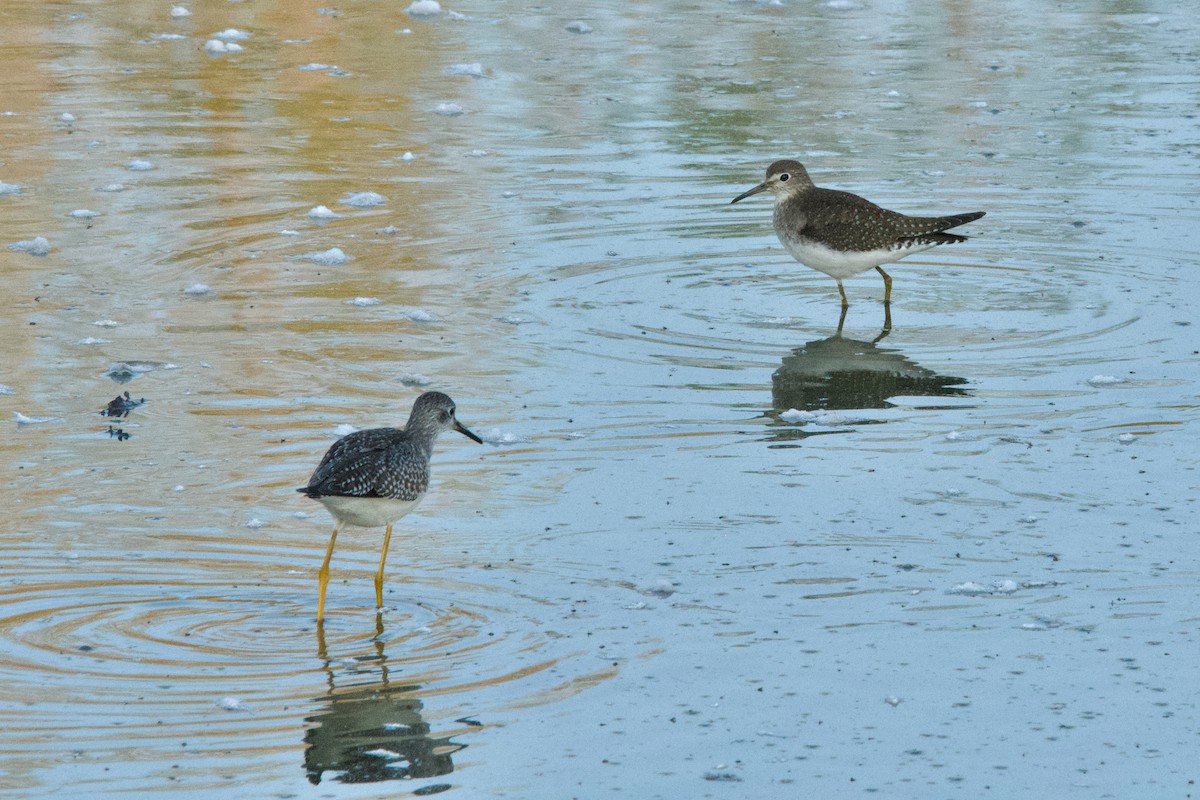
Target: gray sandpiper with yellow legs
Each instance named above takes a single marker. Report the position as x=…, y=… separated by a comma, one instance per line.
x=372, y=478
x=842, y=234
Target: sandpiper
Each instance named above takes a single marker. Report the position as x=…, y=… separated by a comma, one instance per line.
x=374, y=477
x=842, y=234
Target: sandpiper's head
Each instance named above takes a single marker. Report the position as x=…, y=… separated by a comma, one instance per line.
x=784, y=179
x=433, y=413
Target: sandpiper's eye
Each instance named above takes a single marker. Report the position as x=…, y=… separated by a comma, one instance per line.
x=784, y=177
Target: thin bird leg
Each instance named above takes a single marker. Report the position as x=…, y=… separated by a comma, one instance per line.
x=842, y=291
x=887, y=286
x=323, y=575
x=387, y=540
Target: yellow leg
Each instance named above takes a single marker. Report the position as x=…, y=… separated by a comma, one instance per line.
x=842, y=292
x=387, y=540
x=323, y=575
x=887, y=286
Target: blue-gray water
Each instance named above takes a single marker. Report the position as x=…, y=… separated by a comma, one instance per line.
x=966, y=566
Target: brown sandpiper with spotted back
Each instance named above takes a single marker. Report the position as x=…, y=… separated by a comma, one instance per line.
x=842, y=234
x=372, y=478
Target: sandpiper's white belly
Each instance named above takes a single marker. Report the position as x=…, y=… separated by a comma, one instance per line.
x=368, y=512
x=842, y=264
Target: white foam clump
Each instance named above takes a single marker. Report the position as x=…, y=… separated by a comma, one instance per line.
x=255, y=524
x=363, y=199
x=90, y=340
x=496, y=436
x=323, y=212
x=408, y=156
x=168, y=37
x=473, y=70
x=138, y=165
x=579, y=26
x=824, y=417
x=37, y=246
x=365, y=301
x=112, y=187
x=660, y=588
x=314, y=67
x=331, y=257
x=424, y=8
x=218, y=47
x=67, y=117
x=84, y=213
x=21, y=419
x=179, y=12
x=106, y=323
x=289, y=232
x=449, y=110
x=198, y=290
x=972, y=589
x=414, y=379
x=1104, y=380
x=9, y=188
x=4, y=389
x=960, y=436
x=231, y=35
x=345, y=429
x=1126, y=438
x=421, y=315
x=232, y=704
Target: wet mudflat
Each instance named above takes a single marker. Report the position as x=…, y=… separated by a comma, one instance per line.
x=715, y=545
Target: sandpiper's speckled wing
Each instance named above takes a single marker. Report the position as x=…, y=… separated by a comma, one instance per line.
x=847, y=222
x=380, y=462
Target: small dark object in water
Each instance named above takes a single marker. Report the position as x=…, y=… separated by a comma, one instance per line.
x=117, y=433
x=121, y=406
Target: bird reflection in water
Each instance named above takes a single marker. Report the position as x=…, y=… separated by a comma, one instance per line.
x=840, y=374
x=374, y=731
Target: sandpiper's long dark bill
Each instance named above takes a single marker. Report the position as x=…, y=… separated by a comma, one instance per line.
x=842, y=234
x=372, y=478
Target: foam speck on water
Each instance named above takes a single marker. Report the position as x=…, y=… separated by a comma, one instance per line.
x=365, y=301
x=9, y=188
x=449, y=110
x=345, y=429
x=424, y=8
x=231, y=704
x=1126, y=438
x=323, y=212
x=363, y=199
x=1104, y=380
x=112, y=187
x=414, y=379
x=255, y=524
x=21, y=419
x=421, y=315
x=90, y=340
x=314, y=67
x=579, y=26
x=83, y=213
x=231, y=35
x=331, y=257
x=198, y=290
x=138, y=165
x=37, y=246
x=473, y=70
x=67, y=117
x=179, y=12
x=106, y=323
x=289, y=232
x=408, y=156
x=217, y=47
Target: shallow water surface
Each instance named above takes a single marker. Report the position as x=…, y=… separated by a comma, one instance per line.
x=717, y=534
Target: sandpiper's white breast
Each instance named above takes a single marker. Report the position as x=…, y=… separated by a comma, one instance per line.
x=842, y=263
x=368, y=512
